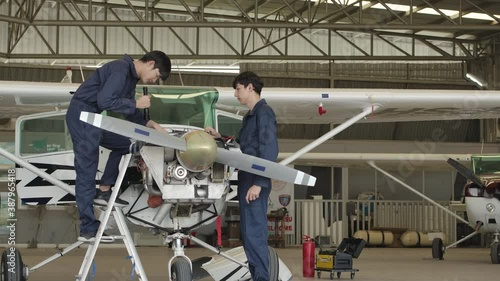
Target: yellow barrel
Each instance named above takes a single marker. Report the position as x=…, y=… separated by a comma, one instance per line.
x=375, y=237
x=420, y=239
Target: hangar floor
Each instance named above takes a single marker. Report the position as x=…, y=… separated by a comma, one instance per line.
x=460, y=264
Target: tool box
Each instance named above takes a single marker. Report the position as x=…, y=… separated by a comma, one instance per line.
x=339, y=260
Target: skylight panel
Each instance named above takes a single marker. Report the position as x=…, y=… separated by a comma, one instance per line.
x=394, y=7
x=479, y=16
x=430, y=11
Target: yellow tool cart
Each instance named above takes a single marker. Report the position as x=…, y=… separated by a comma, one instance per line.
x=339, y=260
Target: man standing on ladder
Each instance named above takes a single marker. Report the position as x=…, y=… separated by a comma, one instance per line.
x=111, y=88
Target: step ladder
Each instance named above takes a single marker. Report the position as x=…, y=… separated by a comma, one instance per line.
x=117, y=213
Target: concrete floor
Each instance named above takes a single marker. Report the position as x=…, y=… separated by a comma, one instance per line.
x=398, y=264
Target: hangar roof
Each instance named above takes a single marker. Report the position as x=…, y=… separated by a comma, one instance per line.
x=226, y=32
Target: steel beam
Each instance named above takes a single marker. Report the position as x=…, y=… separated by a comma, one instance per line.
x=275, y=22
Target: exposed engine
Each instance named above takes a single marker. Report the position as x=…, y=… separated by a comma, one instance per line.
x=189, y=175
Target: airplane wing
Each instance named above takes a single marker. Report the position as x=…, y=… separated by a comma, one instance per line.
x=302, y=106
x=386, y=160
x=21, y=98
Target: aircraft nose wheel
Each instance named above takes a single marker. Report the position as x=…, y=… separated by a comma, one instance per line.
x=274, y=265
x=12, y=267
x=495, y=253
x=181, y=270
x=437, y=248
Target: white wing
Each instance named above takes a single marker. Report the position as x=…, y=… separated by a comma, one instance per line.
x=301, y=105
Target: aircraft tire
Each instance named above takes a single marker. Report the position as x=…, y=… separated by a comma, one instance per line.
x=437, y=248
x=274, y=265
x=12, y=266
x=495, y=253
x=181, y=271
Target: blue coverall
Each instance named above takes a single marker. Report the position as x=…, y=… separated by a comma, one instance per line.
x=112, y=88
x=257, y=137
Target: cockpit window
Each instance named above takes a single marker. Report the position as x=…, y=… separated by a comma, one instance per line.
x=189, y=106
x=486, y=165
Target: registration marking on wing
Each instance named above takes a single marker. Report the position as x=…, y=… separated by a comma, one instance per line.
x=141, y=132
x=258, y=167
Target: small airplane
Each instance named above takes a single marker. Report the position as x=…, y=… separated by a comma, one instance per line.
x=192, y=108
x=481, y=199
x=481, y=193
x=186, y=172
x=482, y=202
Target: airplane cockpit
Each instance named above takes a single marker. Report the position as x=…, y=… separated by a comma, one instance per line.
x=487, y=170
x=485, y=164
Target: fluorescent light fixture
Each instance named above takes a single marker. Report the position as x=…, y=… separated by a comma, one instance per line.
x=208, y=68
x=476, y=80
x=199, y=68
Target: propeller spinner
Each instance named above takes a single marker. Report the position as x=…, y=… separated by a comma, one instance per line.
x=200, y=153
x=195, y=143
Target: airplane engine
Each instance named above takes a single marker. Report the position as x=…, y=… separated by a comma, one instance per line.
x=189, y=176
x=191, y=185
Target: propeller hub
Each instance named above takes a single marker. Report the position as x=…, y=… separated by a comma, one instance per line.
x=200, y=153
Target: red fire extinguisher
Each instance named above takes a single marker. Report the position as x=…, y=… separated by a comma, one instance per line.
x=308, y=250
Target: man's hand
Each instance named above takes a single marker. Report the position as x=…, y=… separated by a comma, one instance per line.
x=143, y=102
x=253, y=193
x=211, y=131
x=152, y=124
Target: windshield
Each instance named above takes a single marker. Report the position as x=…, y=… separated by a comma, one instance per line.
x=190, y=106
x=486, y=164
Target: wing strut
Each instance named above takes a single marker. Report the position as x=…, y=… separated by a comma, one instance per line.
x=371, y=163
x=368, y=110
x=37, y=171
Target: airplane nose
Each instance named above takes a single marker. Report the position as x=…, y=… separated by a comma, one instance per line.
x=200, y=153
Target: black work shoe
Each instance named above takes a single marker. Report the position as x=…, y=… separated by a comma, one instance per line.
x=90, y=238
x=102, y=197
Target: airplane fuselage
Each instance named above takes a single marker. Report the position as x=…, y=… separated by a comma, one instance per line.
x=484, y=210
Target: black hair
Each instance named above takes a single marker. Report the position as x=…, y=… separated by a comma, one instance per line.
x=248, y=77
x=162, y=62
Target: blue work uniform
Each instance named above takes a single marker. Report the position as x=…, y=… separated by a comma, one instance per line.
x=111, y=88
x=257, y=137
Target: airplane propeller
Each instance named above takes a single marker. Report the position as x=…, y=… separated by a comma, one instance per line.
x=464, y=171
x=199, y=146
x=132, y=130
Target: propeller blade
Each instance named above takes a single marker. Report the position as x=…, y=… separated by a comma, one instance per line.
x=238, y=160
x=466, y=172
x=262, y=167
x=132, y=130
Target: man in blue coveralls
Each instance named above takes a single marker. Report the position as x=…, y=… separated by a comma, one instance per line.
x=257, y=137
x=111, y=88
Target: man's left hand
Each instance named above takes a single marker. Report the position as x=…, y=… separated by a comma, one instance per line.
x=253, y=193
